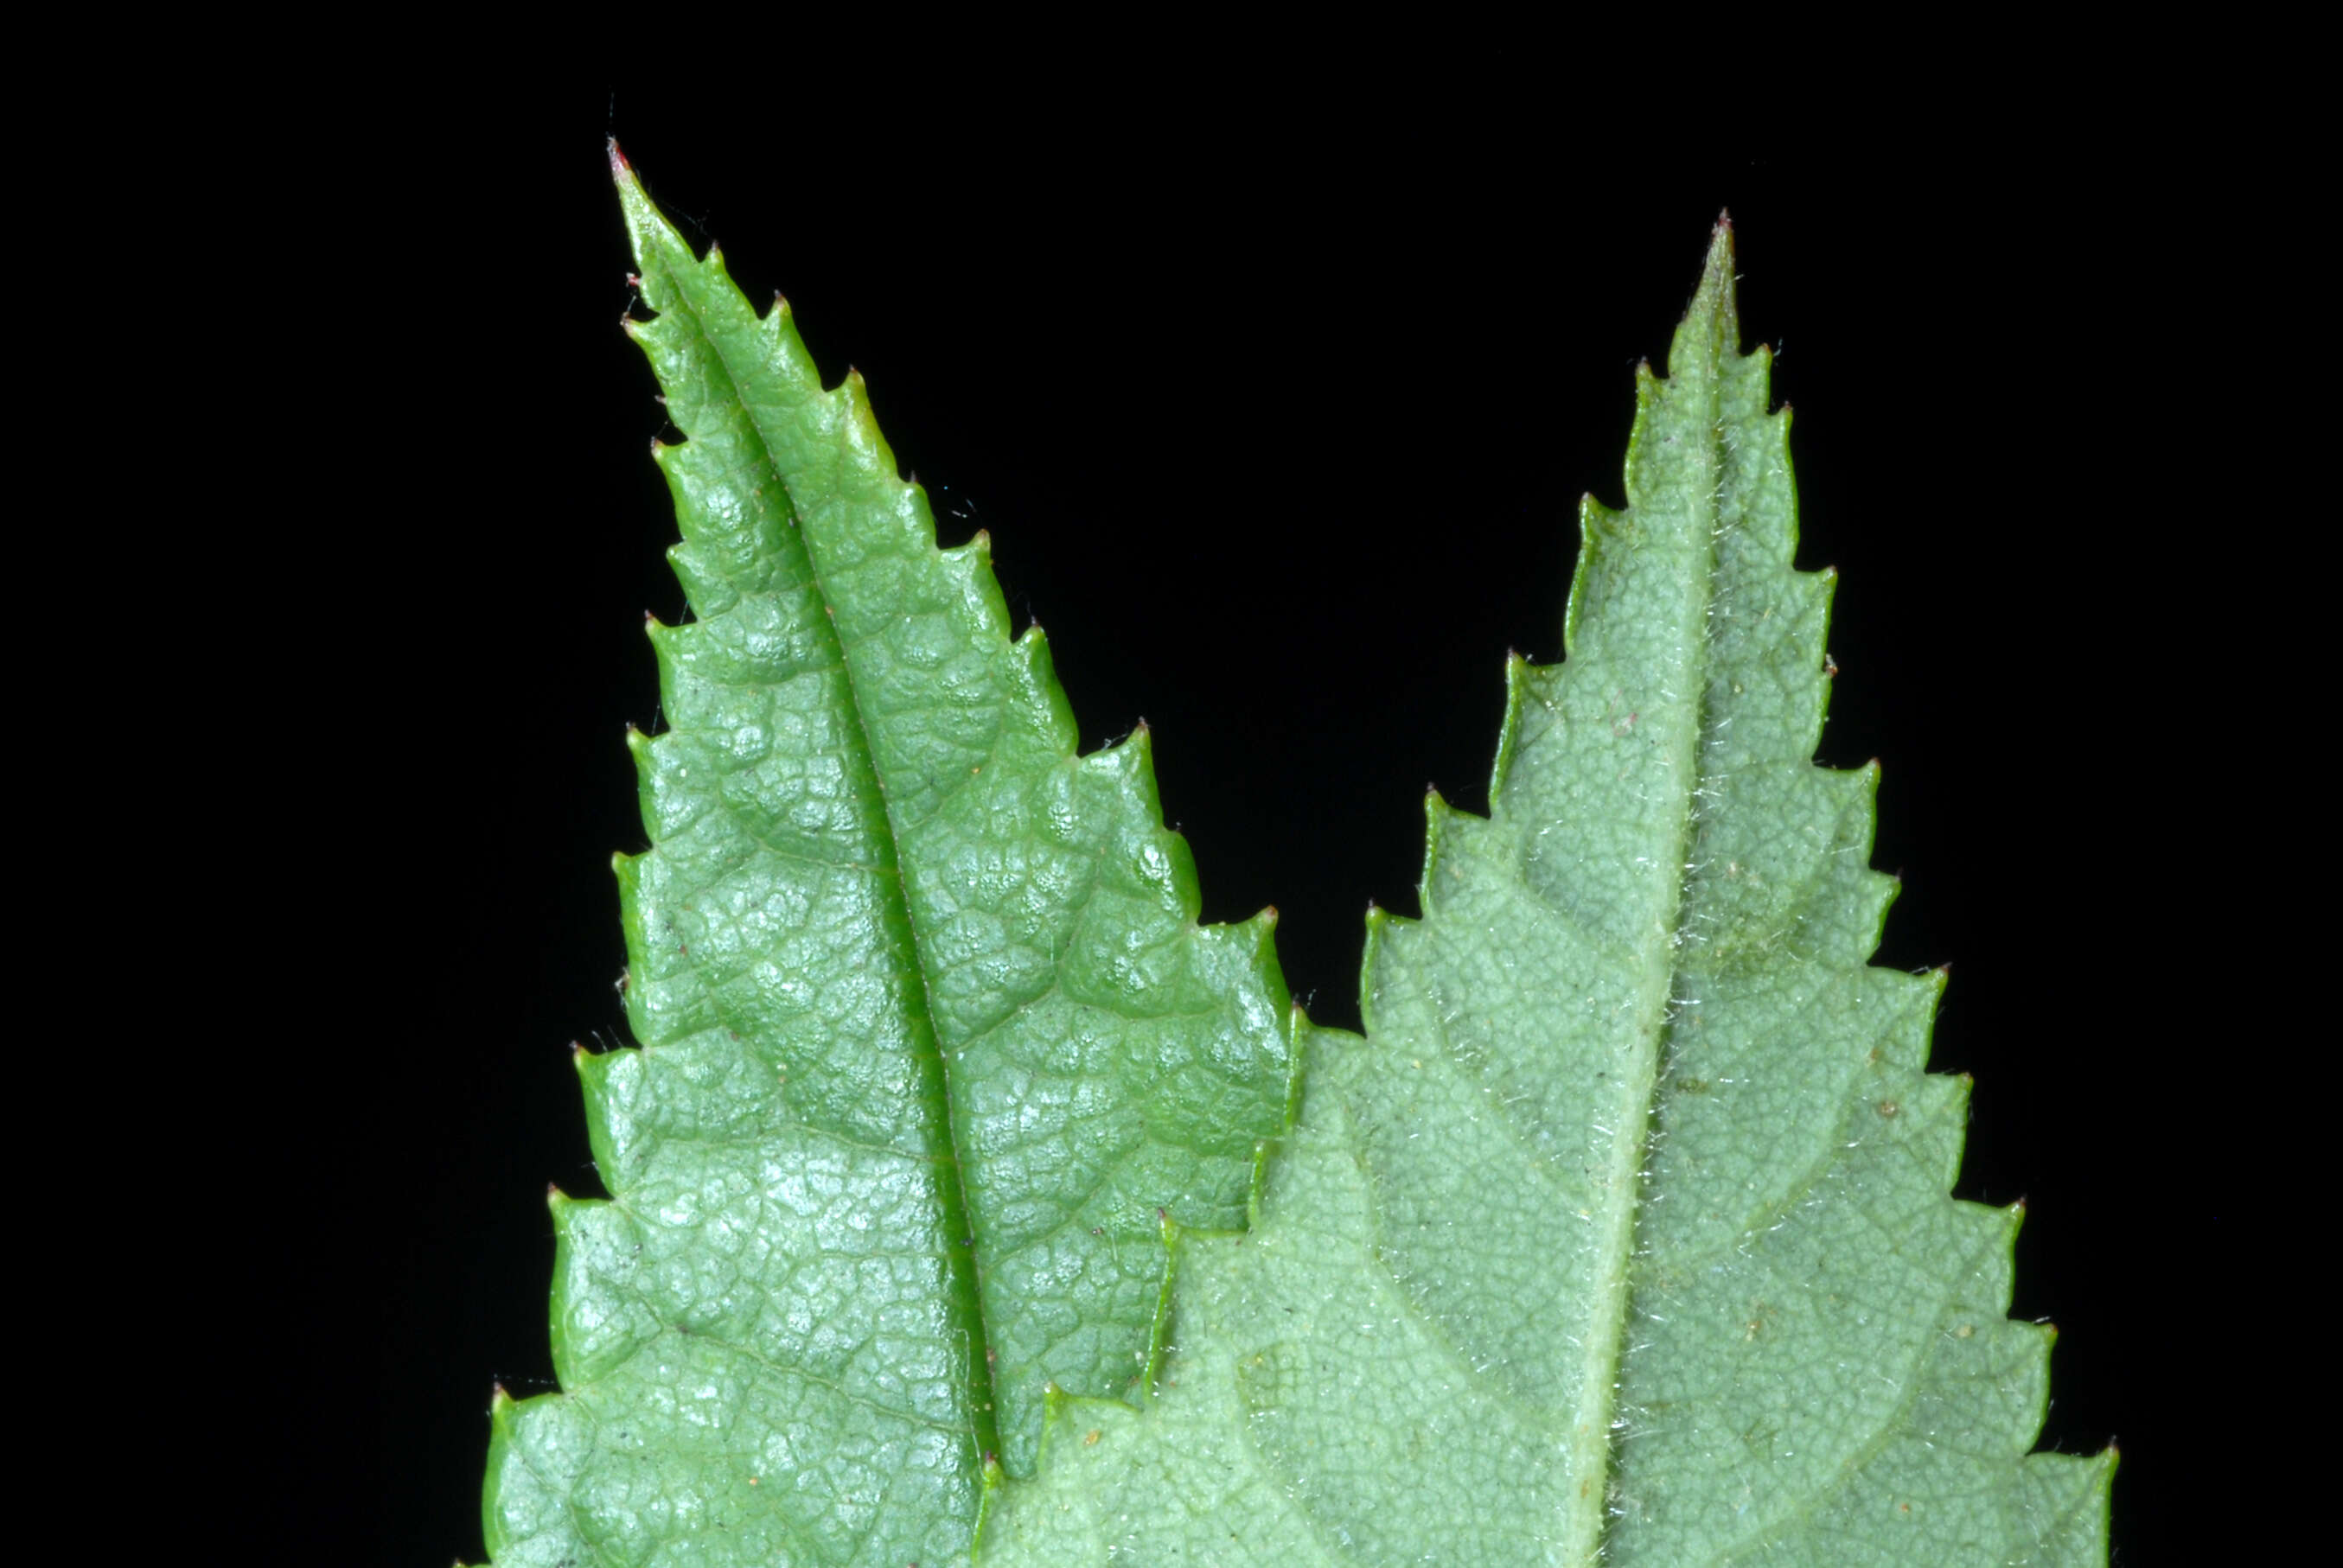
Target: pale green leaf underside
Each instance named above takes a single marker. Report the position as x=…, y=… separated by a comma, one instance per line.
x=931, y=1034
x=1624, y=1234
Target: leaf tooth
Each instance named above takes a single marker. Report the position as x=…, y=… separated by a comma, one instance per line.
x=1993, y=1276
x=598, y=1317
x=786, y=356
x=1595, y=520
x=1649, y=389
x=650, y=1029
x=1253, y=940
x=703, y=574
x=779, y=324
x=1931, y=1113
x=2069, y=1504
x=868, y=455
x=1380, y=923
x=1036, y=674
x=1126, y=755
x=1908, y=1003
x=595, y=1072
x=968, y=569
x=1517, y=676
x=1436, y=814
x=980, y=543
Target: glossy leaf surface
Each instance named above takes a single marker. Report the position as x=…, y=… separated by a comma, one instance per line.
x=931, y=1037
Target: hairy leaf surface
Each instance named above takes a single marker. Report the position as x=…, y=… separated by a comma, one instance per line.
x=1624, y=1233
x=930, y=1039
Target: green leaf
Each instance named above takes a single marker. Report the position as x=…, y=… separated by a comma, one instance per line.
x=1624, y=1234
x=931, y=1040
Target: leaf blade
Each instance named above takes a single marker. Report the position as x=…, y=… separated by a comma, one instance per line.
x=1538, y=1278
x=931, y=1033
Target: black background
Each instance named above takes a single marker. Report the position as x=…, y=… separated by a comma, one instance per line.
x=1278, y=414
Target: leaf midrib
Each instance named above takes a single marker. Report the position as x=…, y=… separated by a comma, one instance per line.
x=1590, y=1434
x=952, y=1187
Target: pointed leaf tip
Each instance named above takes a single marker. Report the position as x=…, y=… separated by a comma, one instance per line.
x=1710, y=332
x=760, y=423
x=1716, y=272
